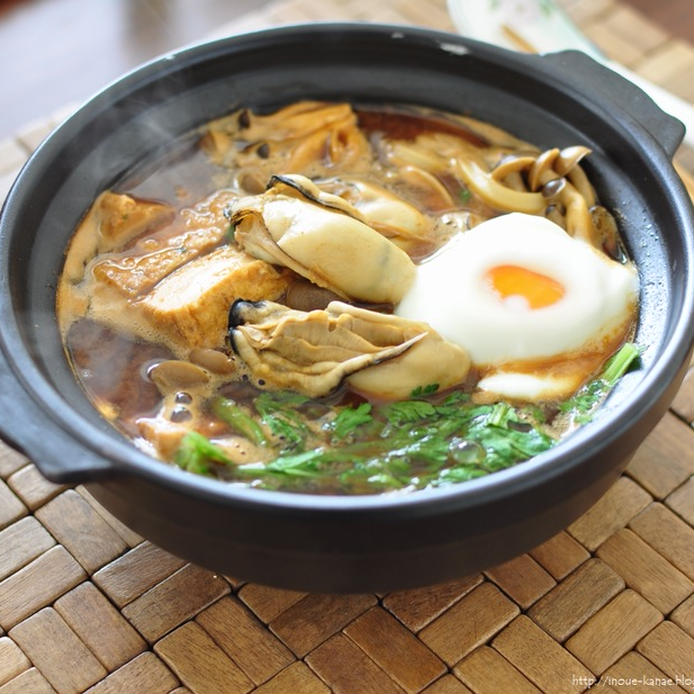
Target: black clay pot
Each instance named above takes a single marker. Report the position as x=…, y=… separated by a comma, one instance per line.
x=338, y=543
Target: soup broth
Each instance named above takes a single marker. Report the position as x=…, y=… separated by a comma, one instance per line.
x=340, y=299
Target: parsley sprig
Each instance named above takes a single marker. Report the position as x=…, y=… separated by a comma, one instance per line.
x=277, y=409
x=582, y=405
x=349, y=419
x=196, y=452
x=429, y=440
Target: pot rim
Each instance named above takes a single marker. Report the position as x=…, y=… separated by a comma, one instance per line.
x=124, y=458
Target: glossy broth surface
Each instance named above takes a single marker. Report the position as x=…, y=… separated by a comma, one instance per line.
x=145, y=295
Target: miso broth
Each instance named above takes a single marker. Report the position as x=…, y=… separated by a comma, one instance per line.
x=253, y=305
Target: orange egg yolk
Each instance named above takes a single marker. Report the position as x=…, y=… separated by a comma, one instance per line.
x=512, y=280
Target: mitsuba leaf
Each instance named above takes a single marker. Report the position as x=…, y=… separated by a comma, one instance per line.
x=197, y=451
x=350, y=418
x=408, y=411
x=241, y=422
x=423, y=391
x=277, y=411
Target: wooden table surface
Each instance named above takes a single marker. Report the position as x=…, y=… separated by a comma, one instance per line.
x=607, y=604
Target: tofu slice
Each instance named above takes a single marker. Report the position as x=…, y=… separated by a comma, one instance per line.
x=174, y=285
x=123, y=218
x=196, y=231
x=164, y=436
x=191, y=305
x=136, y=273
x=112, y=221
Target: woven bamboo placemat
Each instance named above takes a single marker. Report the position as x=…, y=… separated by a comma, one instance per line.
x=87, y=605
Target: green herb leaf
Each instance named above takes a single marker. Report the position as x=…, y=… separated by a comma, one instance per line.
x=586, y=399
x=408, y=411
x=422, y=443
x=384, y=481
x=350, y=418
x=464, y=195
x=228, y=411
x=620, y=362
x=294, y=432
x=499, y=414
x=536, y=413
x=276, y=409
x=453, y=403
x=275, y=400
x=196, y=451
x=431, y=448
x=423, y=391
x=231, y=231
x=301, y=464
x=459, y=473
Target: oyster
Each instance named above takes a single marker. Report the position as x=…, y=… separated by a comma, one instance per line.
x=371, y=204
x=309, y=136
x=312, y=352
x=321, y=237
x=381, y=209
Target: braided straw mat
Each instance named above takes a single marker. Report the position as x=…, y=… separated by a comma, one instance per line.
x=607, y=604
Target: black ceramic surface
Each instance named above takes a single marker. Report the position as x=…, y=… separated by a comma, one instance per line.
x=343, y=543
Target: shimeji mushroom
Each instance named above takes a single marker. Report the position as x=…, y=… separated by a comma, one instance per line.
x=559, y=178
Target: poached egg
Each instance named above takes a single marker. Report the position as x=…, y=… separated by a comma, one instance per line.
x=537, y=310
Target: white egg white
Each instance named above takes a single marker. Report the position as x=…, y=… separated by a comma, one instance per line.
x=524, y=353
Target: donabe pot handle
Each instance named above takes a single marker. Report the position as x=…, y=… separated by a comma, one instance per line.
x=25, y=428
x=603, y=84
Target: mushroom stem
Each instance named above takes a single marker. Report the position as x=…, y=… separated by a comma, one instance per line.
x=555, y=214
x=494, y=193
x=537, y=176
x=420, y=178
x=578, y=220
x=511, y=164
x=579, y=223
x=578, y=178
x=515, y=181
